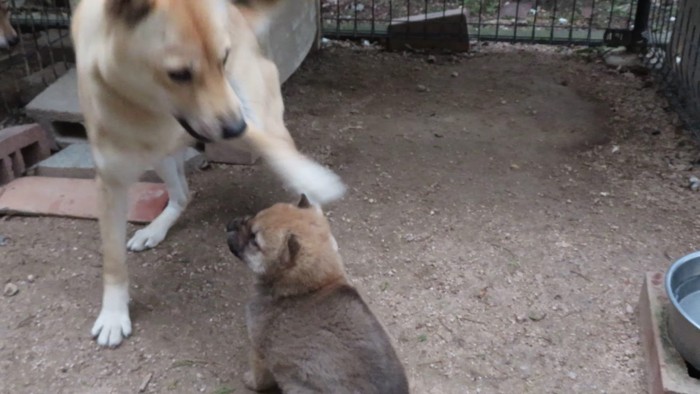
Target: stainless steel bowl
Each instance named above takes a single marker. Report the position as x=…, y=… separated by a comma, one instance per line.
x=683, y=289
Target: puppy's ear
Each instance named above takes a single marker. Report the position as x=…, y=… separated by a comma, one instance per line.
x=130, y=12
x=293, y=248
x=304, y=202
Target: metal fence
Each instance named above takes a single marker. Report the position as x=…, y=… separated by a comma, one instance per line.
x=536, y=21
x=673, y=54
x=43, y=54
x=668, y=32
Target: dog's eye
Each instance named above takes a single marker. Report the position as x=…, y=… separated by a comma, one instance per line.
x=254, y=240
x=181, y=76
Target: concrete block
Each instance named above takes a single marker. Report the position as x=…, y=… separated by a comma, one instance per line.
x=435, y=30
x=77, y=198
x=21, y=147
x=75, y=161
x=666, y=370
x=57, y=109
x=223, y=152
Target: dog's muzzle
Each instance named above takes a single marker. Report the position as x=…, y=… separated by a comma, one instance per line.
x=188, y=128
x=233, y=129
x=229, y=129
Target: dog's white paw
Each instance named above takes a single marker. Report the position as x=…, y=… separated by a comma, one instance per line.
x=249, y=381
x=146, y=238
x=113, y=324
x=303, y=175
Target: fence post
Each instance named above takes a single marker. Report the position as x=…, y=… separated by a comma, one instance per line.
x=641, y=24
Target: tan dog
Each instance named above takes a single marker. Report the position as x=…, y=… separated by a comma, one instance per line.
x=156, y=75
x=8, y=35
x=310, y=331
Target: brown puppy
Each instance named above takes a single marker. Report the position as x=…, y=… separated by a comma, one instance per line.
x=310, y=331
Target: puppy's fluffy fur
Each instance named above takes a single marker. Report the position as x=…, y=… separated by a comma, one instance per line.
x=310, y=330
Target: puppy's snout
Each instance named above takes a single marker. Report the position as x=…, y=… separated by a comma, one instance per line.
x=236, y=224
x=233, y=128
x=236, y=235
x=13, y=40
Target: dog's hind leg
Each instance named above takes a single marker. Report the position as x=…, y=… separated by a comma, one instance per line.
x=171, y=170
x=113, y=323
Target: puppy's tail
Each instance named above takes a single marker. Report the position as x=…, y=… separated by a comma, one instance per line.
x=299, y=172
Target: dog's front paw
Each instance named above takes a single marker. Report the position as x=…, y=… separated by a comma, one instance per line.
x=113, y=323
x=146, y=238
x=257, y=384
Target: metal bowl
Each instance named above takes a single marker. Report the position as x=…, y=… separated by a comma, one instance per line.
x=683, y=289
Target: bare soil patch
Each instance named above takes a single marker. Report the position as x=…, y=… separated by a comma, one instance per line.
x=503, y=208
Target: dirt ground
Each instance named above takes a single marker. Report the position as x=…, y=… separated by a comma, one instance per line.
x=503, y=208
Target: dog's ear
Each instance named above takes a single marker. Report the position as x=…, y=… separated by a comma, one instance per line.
x=293, y=248
x=130, y=12
x=304, y=202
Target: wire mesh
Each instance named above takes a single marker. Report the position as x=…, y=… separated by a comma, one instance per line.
x=43, y=54
x=536, y=21
x=673, y=55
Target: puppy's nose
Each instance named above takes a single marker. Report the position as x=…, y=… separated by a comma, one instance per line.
x=12, y=41
x=233, y=129
x=233, y=245
x=236, y=224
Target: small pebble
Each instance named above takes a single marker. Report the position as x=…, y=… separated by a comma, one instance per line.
x=422, y=88
x=694, y=183
x=455, y=74
x=4, y=240
x=536, y=315
x=629, y=309
x=431, y=59
x=11, y=289
x=30, y=278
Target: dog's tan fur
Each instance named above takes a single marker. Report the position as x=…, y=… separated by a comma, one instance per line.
x=153, y=74
x=8, y=34
x=310, y=330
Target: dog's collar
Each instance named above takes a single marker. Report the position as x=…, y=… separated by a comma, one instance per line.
x=185, y=125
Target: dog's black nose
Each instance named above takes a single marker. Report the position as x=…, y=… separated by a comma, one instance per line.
x=233, y=129
x=12, y=41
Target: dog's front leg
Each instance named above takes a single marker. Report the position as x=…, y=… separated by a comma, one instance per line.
x=113, y=324
x=171, y=170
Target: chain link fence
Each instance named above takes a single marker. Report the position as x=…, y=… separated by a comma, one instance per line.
x=666, y=31
x=535, y=21
x=43, y=54
x=672, y=53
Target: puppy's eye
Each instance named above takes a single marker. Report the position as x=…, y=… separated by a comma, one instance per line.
x=181, y=76
x=225, y=56
x=254, y=240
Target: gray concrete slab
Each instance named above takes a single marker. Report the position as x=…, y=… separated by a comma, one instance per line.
x=75, y=161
